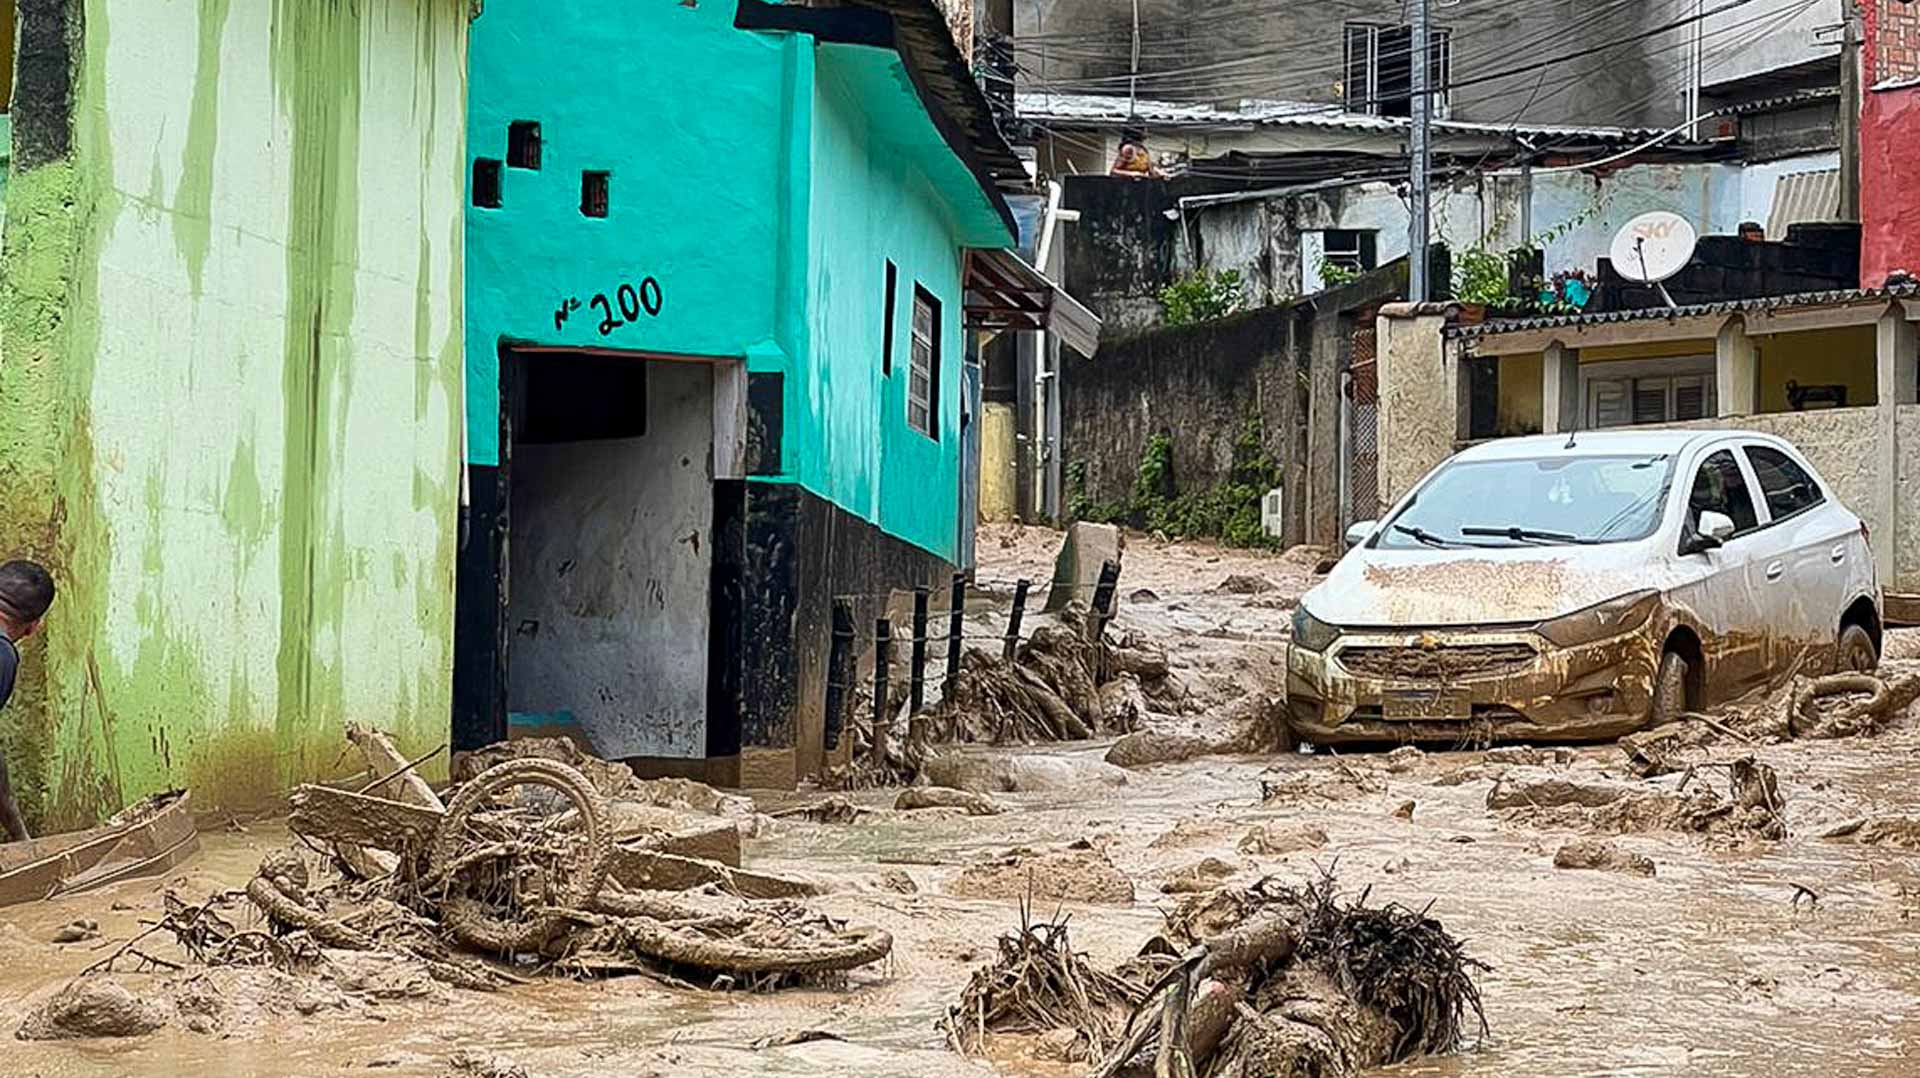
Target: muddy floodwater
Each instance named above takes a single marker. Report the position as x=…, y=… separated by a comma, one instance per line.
x=1718, y=964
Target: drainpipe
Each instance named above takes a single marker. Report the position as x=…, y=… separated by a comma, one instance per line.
x=1850, y=106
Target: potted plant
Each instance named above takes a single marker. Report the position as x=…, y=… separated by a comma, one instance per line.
x=1479, y=282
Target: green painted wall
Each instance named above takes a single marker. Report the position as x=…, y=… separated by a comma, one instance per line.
x=761, y=180
x=230, y=368
x=872, y=203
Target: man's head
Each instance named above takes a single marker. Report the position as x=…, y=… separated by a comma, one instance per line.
x=26, y=591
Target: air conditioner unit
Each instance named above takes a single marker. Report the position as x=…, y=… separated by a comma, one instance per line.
x=1271, y=516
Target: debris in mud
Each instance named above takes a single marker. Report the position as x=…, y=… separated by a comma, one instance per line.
x=92, y=1007
x=898, y=881
x=1144, y=748
x=478, y=1063
x=1404, y=759
x=1203, y=875
x=996, y=774
x=524, y=862
x=1192, y=832
x=76, y=931
x=1076, y=569
x=1899, y=832
x=1404, y=810
x=1278, y=839
x=1345, y=781
x=1078, y=873
x=1602, y=856
x=973, y=803
x=1268, y=980
x=1752, y=806
x=1244, y=584
x=1039, y=985
x=837, y=810
x=1143, y=595
x=1849, y=705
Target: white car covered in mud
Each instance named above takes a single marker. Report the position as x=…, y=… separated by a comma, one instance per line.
x=1582, y=587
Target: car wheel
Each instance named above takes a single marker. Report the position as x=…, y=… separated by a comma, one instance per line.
x=1669, y=690
x=1857, y=652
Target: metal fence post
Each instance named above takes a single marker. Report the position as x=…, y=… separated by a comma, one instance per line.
x=956, y=614
x=839, y=671
x=918, y=673
x=1013, y=621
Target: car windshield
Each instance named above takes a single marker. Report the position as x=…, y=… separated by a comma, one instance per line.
x=1548, y=501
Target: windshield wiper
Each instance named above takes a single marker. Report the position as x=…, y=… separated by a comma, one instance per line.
x=1528, y=535
x=1421, y=535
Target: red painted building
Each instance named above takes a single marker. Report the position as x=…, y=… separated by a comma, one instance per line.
x=1890, y=142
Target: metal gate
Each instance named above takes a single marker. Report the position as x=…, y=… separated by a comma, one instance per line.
x=1360, y=431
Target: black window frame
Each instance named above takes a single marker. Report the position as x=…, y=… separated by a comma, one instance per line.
x=485, y=189
x=1766, y=496
x=523, y=145
x=934, y=311
x=596, y=193
x=887, y=319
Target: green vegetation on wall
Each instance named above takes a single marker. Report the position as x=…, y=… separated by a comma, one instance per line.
x=1228, y=511
x=1201, y=296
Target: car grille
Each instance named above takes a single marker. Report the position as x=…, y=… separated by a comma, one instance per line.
x=1436, y=664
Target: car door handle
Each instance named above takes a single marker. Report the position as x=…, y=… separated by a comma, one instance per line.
x=1838, y=555
x=1776, y=570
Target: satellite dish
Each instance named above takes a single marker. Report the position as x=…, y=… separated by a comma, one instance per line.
x=1653, y=247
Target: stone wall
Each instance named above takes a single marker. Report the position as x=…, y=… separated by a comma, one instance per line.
x=1199, y=384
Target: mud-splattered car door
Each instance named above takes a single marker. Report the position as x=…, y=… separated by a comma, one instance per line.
x=1721, y=597
x=1799, y=570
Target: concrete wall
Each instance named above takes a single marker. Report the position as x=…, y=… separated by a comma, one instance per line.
x=1906, y=536
x=1200, y=385
x=230, y=300
x=1086, y=46
x=612, y=553
x=1419, y=415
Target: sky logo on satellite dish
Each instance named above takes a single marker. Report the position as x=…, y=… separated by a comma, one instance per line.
x=1653, y=247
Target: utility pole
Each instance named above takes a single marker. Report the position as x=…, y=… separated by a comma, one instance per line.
x=1850, y=77
x=1419, y=289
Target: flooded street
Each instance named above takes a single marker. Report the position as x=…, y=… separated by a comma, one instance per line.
x=1717, y=964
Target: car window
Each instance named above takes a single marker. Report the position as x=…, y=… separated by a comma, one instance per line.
x=1786, y=485
x=1530, y=502
x=1720, y=487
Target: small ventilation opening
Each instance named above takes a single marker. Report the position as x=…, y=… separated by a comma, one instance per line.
x=593, y=194
x=486, y=183
x=523, y=144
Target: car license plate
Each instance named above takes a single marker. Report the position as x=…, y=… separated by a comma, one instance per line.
x=1429, y=703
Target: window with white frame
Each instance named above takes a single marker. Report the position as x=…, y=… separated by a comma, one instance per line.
x=1379, y=75
x=923, y=370
x=1654, y=391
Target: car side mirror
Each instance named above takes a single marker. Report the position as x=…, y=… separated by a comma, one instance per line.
x=1711, y=533
x=1360, y=531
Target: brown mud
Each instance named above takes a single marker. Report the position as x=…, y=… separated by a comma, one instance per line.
x=1720, y=965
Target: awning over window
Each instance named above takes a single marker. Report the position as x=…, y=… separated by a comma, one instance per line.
x=1006, y=294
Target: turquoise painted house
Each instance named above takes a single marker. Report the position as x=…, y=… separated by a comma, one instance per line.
x=718, y=255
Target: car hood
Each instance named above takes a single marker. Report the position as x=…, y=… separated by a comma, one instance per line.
x=1418, y=588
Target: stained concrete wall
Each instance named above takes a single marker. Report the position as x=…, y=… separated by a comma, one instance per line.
x=612, y=557
x=1419, y=417
x=1906, y=536
x=1086, y=46
x=230, y=378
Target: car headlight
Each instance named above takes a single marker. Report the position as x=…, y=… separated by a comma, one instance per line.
x=1310, y=632
x=1611, y=618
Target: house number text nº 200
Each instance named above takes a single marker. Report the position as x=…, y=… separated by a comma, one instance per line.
x=626, y=305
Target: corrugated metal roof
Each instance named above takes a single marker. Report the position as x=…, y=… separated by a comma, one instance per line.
x=1839, y=298
x=1108, y=110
